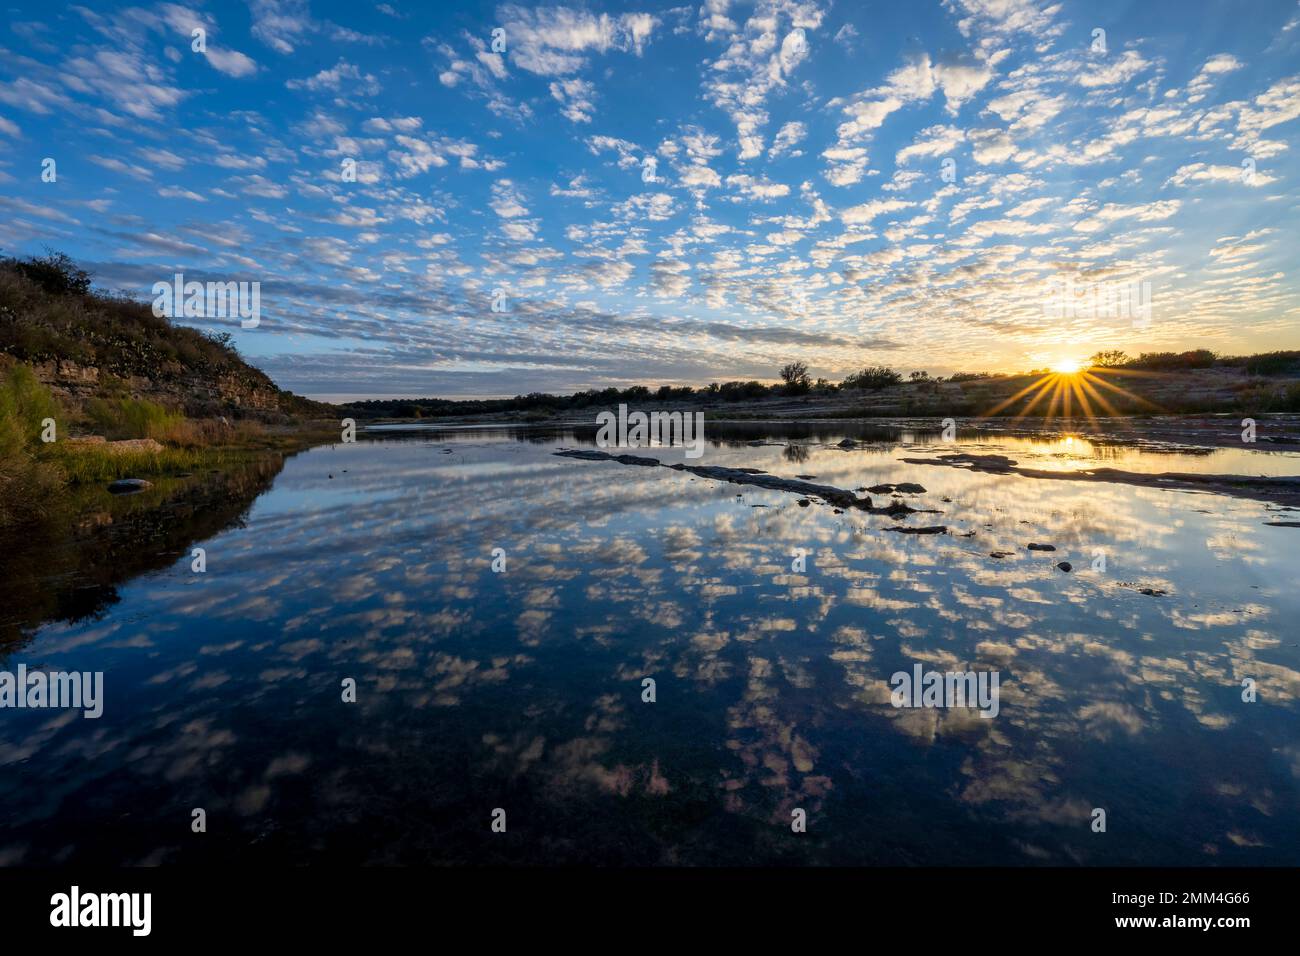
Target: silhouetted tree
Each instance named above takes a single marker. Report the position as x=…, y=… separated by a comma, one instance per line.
x=795, y=376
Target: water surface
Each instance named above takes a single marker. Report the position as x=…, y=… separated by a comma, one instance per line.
x=522, y=690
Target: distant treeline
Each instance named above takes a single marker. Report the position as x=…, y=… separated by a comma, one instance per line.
x=1265, y=363
x=796, y=381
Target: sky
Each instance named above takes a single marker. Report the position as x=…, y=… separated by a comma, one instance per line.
x=477, y=200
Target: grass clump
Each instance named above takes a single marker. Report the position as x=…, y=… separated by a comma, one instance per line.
x=86, y=464
x=121, y=418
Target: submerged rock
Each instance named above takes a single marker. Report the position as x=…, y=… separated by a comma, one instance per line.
x=1001, y=554
x=1065, y=566
x=128, y=486
x=1041, y=547
x=932, y=529
x=902, y=488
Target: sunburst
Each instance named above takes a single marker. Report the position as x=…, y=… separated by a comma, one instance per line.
x=1069, y=383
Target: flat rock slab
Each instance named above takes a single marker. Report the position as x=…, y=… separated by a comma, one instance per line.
x=840, y=497
x=1284, y=489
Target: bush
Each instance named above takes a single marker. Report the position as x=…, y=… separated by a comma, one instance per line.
x=738, y=391
x=28, y=486
x=1273, y=363
x=1171, y=361
x=54, y=272
x=876, y=377
x=24, y=404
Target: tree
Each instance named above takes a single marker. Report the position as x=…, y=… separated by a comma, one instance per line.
x=876, y=377
x=795, y=376
x=1108, y=359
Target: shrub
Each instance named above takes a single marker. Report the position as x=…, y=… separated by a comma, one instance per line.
x=1273, y=363
x=24, y=404
x=876, y=377
x=1168, y=361
x=28, y=486
x=54, y=272
x=738, y=391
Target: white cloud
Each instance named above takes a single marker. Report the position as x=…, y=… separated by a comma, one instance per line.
x=1003, y=16
x=281, y=24
x=1214, y=67
x=867, y=211
x=341, y=77
x=787, y=137
x=757, y=188
x=1112, y=70
x=552, y=41
x=932, y=141
x=231, y=62
x=759, y=60
x=1114, y=212
x=1203, y=172
x=576, y=97
x=507, y=202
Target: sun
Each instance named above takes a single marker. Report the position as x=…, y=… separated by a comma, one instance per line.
x=1067, y=367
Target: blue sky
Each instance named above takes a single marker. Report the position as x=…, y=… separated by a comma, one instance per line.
x=667, y=194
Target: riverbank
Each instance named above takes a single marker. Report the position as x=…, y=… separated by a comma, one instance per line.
x=52, y=455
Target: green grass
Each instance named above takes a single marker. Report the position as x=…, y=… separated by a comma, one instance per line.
x=28, y=486
x=25, y=404
x=86, y=464
x=37, y=477
x=118, y=418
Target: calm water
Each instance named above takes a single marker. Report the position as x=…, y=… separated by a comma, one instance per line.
x=522, y=690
